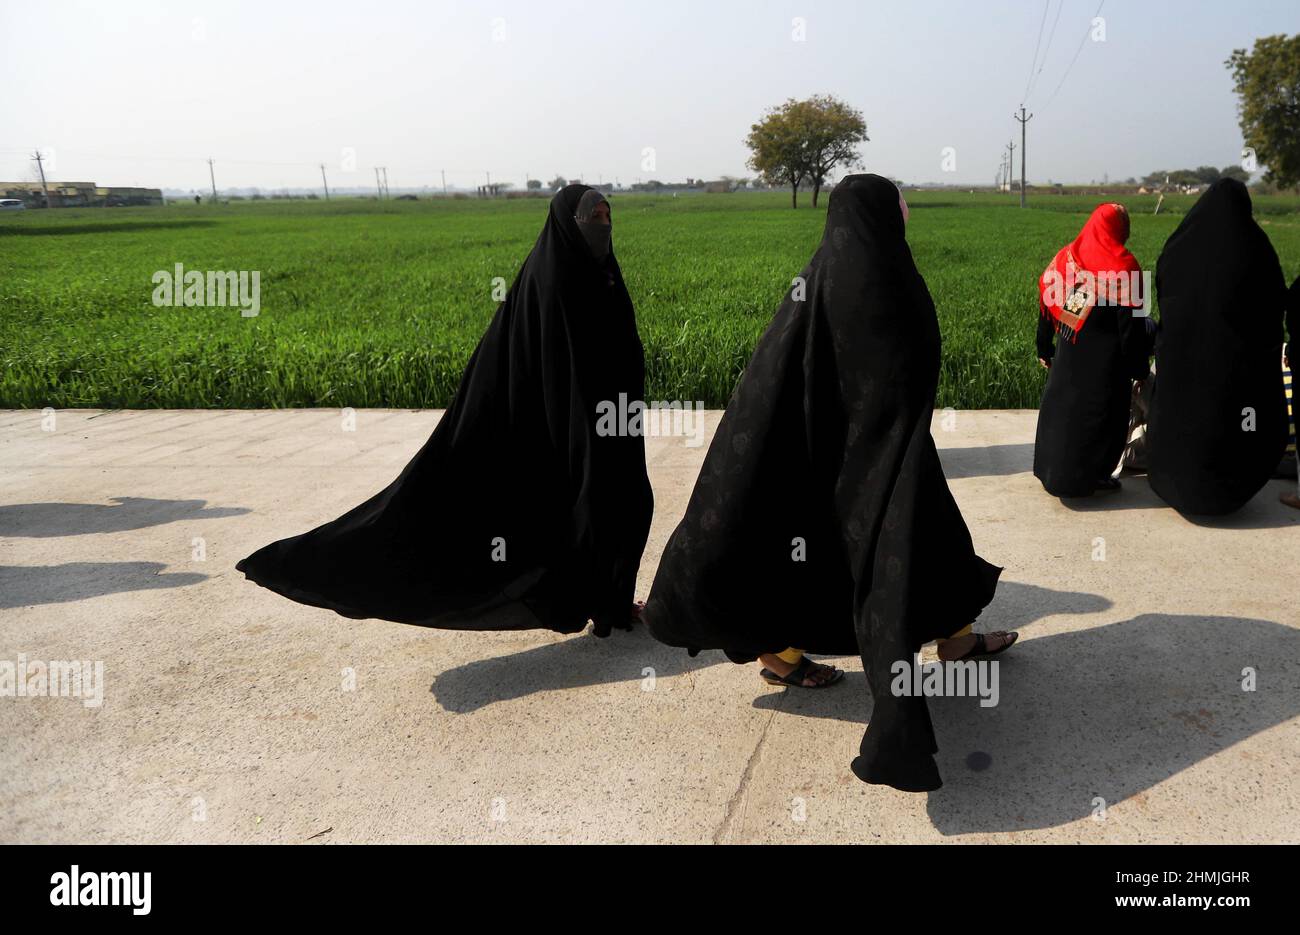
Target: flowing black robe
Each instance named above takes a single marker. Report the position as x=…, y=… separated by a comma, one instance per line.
x=1218, y=358
x=516, y=513
x=1083, y=417
x=1293, y=315
x=821, y=518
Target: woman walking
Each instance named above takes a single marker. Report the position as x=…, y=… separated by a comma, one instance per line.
x=517, y=513
x=821, y=518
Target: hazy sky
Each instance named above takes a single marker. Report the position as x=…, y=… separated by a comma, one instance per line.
x=140, y=93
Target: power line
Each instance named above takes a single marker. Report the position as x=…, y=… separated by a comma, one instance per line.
x=1034, y=60
x=1086, y=33
x=1060, y=5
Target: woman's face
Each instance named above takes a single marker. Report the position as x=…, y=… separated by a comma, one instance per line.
x=902, y=204
x=601, y=214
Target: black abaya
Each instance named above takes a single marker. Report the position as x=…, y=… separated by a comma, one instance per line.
x=516, y=513
x=821, y=517
x=1083, y=418
x=1217, y=426
x=1293, y=316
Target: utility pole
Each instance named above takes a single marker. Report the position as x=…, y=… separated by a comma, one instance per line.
x=324, y=181
x=212, y=174
x=379, y=188
x=40, y=167
x=1011, y=162
x=444, y=182
x=1023, y=120
x=384, y=169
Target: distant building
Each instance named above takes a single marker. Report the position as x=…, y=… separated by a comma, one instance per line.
x=121, y=196
x=79, y=195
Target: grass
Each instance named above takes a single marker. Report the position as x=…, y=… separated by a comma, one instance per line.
x=380, y=304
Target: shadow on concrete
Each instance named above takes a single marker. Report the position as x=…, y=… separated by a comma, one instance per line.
x=50, y=520
x=28, y=585
x=576, y=662
x=987, y=460
x=1262, y=511
x=1105, y=714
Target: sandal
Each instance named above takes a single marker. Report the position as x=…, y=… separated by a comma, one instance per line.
x=799, y=673
x=981, y=648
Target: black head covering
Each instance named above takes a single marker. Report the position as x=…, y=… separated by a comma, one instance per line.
x=514, y=463
x=825, y=451
x=1218, y=358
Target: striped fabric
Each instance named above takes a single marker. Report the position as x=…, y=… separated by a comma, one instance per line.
x=1290, y=410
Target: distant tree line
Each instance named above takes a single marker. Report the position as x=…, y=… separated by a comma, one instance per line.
x=1202, y=175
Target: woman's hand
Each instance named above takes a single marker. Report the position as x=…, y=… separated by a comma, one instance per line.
x=1045, y=364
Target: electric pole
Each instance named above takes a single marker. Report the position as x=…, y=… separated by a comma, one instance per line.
x=384, y=169
x=1011, y=162
x=212, y=175
x=444, y=181
x=379, y=188
x=40, y=167
x=324, y=181
x=1023, y=120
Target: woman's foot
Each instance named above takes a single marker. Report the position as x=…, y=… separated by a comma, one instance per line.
x=802, y=674
x=975, y=645
x=1108, y=485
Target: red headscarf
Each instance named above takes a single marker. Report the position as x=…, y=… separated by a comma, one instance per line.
x=1067, y=294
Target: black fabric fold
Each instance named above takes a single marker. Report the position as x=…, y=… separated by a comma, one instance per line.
x=825, y=451
x=516, y=513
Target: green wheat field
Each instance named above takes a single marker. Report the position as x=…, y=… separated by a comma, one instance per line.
x=369, y=303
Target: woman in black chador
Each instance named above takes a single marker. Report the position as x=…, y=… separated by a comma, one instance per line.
x=1087, y=297
x=821, y=517
x=1217, y=425
x=517, y=513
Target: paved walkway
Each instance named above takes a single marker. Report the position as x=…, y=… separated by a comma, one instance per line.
x=225, y=715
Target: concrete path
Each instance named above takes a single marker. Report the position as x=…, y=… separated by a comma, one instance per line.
x=228, y=713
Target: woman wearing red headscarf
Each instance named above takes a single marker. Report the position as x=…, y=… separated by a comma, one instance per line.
x=1093, y=338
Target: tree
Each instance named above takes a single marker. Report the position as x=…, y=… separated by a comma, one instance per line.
x=1203, y=175
x=1267, y=82
x=803, y=141
x=534, y=184
x=558, y=182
